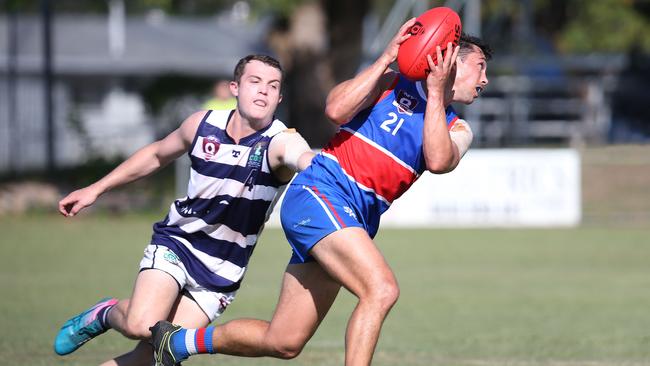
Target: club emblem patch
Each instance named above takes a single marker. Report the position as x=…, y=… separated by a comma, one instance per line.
x=405, y=102
x=210, y=147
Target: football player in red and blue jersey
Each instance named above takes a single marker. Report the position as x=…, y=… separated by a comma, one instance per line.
x=392, y=130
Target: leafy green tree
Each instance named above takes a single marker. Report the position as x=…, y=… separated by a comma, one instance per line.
x=604, y=26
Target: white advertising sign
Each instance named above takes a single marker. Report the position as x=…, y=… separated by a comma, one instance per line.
x=504, y=187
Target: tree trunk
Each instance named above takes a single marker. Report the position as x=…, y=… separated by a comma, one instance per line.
x=319, y=47
x=345, y=30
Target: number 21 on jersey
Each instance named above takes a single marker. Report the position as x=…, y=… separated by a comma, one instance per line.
x=388, y=125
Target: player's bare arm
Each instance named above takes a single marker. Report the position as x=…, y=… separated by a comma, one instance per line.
x=461, y=135
x=289, y=153
x=352, y=96
x=440, y=153
x=142, y=163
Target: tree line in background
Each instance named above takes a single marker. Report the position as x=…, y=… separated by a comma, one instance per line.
x=319, y=41
x=571, y=25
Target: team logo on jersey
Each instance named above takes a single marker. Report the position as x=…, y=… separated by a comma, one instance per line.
x=255, y=159
x=405, y=102
x=210, y=147
x=256, y=155
x=186, y=210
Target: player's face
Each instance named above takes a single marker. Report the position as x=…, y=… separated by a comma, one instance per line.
x=258, y=91
x=471, y=76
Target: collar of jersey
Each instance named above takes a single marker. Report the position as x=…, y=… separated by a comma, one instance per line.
x=249, y=140
x=420, y=88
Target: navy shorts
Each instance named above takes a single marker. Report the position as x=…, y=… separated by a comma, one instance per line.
x=310, y=213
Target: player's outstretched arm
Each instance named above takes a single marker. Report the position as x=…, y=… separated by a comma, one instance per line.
x=352, y=96
x=289, y=153
x=440, y=153
x=142, y=163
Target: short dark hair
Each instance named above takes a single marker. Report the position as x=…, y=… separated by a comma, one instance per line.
x=268, y=60
x=466, y=43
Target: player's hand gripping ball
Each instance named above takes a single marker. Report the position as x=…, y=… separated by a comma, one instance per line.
x=435, y=27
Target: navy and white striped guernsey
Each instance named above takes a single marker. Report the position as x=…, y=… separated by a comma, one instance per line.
x=230, y=195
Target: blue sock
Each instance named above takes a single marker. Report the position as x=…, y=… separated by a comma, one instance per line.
x=187, y=342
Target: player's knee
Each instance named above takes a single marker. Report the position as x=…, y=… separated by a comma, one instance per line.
x=288, y=351
x=390, y=295
x=288, y=347
x=384, y=293
x=137, y=328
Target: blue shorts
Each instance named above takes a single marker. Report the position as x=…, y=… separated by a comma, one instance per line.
x=310, y=213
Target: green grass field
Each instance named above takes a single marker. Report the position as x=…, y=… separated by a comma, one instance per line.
x=469, y=297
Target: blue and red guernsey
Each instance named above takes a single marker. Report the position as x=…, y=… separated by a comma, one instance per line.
x=377, y=156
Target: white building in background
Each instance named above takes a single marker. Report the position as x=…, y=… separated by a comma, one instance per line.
x=117, y=126
x=100, y=66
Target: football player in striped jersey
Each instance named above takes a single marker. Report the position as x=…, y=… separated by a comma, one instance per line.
x=191, y=270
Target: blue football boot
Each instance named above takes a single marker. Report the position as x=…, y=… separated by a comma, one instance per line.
x=82, y=328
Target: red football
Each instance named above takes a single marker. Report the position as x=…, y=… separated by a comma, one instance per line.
x=435, y=27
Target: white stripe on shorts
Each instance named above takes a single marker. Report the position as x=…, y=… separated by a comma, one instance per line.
x=329, y=214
